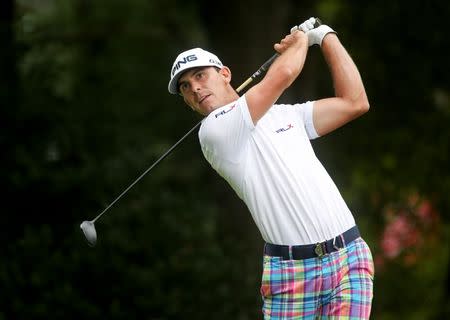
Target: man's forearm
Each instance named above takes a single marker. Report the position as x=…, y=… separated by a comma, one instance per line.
x=291, y=59
x=346, y=78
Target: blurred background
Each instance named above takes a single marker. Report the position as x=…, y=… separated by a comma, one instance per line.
x=85, y=110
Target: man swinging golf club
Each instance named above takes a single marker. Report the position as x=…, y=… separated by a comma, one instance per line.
x=316, y=265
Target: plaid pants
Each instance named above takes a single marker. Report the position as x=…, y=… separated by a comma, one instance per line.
x=336, y=286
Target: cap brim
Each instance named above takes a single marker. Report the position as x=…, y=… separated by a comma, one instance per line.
x=173, y=83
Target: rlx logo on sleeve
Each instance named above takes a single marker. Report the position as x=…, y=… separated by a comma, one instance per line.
x=185, y=60
x=284, y=129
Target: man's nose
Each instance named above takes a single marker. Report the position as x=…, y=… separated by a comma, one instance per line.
x=195, y=86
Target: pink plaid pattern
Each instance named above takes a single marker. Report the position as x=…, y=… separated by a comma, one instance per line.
x=337, y=286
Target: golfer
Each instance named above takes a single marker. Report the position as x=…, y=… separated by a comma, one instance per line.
x=315, y=264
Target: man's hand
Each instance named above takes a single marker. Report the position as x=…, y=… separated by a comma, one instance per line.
x=292, y=50
x=315, y=32
x=294, y=39
x=305, y=26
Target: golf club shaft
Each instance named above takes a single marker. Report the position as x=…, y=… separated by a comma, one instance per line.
x=258, y=72
x=262, y=70
x=146, y=171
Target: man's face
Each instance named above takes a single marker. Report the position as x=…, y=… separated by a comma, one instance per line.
x=204, y=89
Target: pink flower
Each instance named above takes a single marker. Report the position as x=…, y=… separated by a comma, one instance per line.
x=398, y=235
x=425, y=212
x=391, y=246
x=407, y=230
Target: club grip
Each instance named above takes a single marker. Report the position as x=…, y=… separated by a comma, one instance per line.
x=269, y=62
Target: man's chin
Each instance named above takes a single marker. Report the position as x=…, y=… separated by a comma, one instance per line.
x=208, y=109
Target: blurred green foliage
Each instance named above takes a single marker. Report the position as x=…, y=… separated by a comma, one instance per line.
x=85, y=110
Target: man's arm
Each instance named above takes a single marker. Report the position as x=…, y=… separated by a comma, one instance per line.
x=350, y=99
x=284, y=70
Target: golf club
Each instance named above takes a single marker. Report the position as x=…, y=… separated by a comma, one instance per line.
x=268, y=63
x=88, y=227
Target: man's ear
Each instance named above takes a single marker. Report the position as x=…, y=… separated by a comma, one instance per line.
x=226, y=73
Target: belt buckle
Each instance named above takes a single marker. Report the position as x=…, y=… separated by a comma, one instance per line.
x=319, y=250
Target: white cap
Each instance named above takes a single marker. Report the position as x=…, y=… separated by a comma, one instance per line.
x=190, y=59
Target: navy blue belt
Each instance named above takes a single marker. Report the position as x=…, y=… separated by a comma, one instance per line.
x=312, y=250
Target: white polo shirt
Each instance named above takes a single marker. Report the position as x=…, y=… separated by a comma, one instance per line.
x=274, y=170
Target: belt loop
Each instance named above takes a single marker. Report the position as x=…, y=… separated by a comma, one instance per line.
x=291, y=257
x=343, y=240
x=341, y=236
x=334, y=244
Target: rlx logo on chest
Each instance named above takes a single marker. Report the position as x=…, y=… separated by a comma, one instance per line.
x=289, y=126
x=221, y=113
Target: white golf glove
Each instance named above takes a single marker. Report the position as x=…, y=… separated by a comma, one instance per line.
x=315, y=34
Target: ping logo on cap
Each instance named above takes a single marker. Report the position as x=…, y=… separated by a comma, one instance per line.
x=192, y=58
x=185, y=60
x=215, y=61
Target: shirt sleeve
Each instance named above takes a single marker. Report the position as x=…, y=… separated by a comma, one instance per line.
x=307, y=113
x=225, y=132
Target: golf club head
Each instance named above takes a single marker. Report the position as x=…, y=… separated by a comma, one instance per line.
x=88, y=229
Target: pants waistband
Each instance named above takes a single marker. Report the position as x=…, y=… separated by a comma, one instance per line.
x=312, y=250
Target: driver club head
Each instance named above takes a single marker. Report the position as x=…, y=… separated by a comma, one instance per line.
x=88, y=229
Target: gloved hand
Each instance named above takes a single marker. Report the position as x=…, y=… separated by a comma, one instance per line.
x=315, y=31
